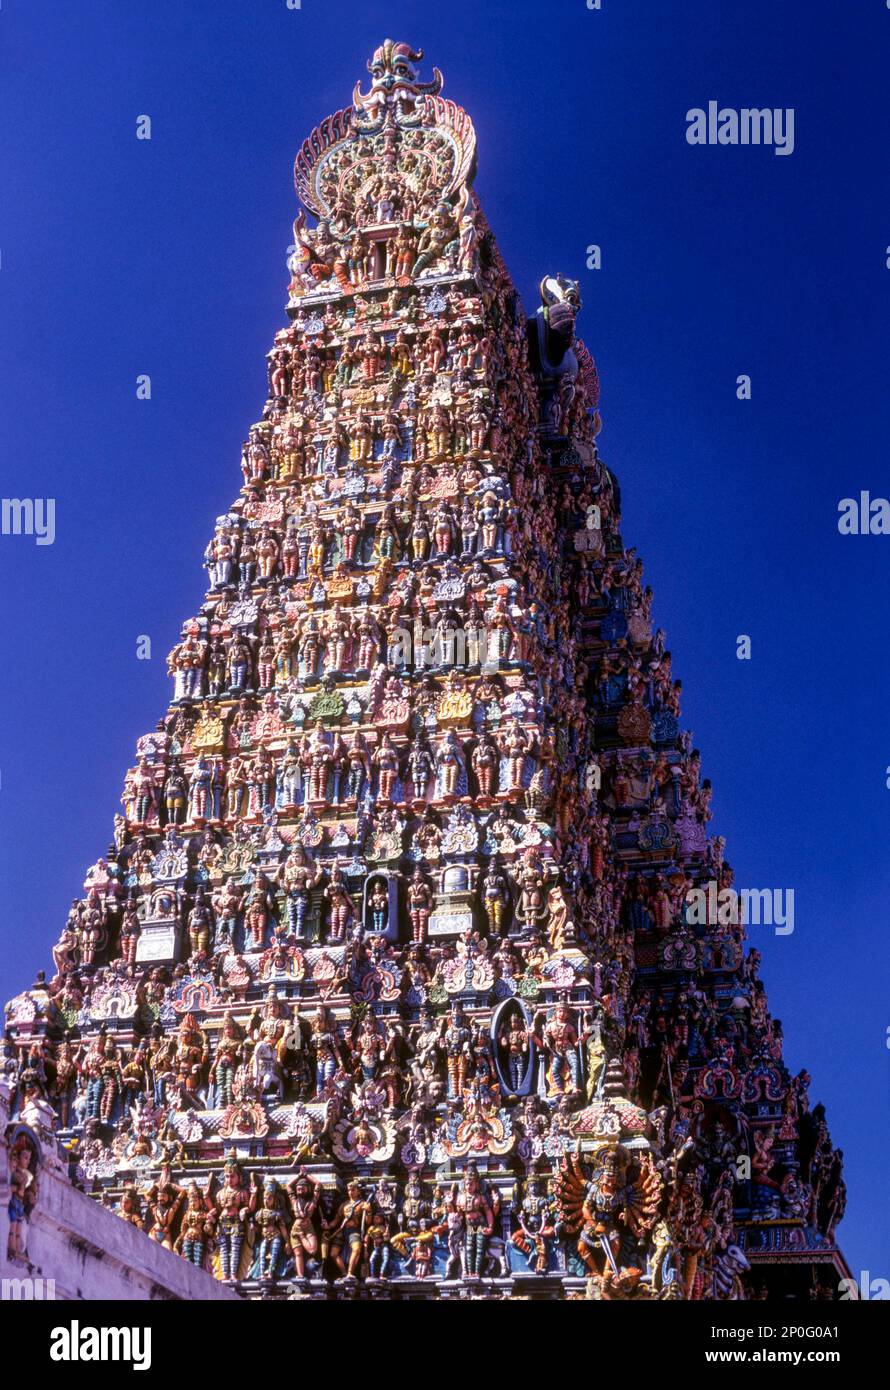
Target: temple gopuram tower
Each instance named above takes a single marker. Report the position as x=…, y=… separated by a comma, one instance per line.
x=389, y=985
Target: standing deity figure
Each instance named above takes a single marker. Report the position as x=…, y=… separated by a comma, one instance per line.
x=292, y=457
x=369, y=1047
x=192, y=1055
x=358, y=768
x=298, y=875
x=456, y=1042
x=186, y=665
x=485, y=761
x=247, y=560
x=478, y=1223
x=267, y=551
x=464, y=348
x=134, y=1078
x=200, y=923
x=198, y=1224
x=495, y=897
x=391, y=434
x=469, y=528
x=443, y=525
x=378, y=903
x=559, y=924
x=560, y=1042
x=236, y=789
x=361, y=439
x=289, y=778
x=433, y=351
x=490, y=515
x=290, y=550
x=328, y=1058
x=66, y=950
x=229, y=1057
x=478, y=425
x=438, y=432
x=467, y=241
x=349, y=526
x=348, y=1230
x=532, y=902
x=368, y=636
x=110, y=1078
x=421, y=767
x=317, y=545
x=386, y=536
x=316, y=760
x=339, y=759
x=378, y=1245
x=161, y=1064
x=238, y=663
x=419, y=536
x=516, y=745
x=336, y=443
x=339, y=904
x=400, y=356
x=357, y=256
x=450, y=766
x=265, y=661
x=309, y=648
x=227, y=909
x=218, y=558
x=515, y=1040
x=144, y=793
x=163, y=1199
x=93, y=920
x=91, y=1079
x=216, y=667
x=258, y=909
x=386, y=761
x=283, y=657
x=175, y=794
x=260, y=781
x=304, y=1200
x=338, y=646
x=420, y=902
x=304, y=539
x=233, y=1204
x=373, y=356
x=404, y=251
x=255, y=457
x=200, y=800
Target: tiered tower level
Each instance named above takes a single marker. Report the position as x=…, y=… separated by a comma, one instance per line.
x=388, y=985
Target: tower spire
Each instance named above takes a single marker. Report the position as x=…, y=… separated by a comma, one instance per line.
x=401, y=880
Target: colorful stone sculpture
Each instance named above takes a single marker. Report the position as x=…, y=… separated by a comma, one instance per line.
x=388, y=983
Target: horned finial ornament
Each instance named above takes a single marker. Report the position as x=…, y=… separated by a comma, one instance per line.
x=394, y=81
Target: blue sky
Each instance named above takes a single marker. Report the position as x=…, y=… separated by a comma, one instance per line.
x=120, y=257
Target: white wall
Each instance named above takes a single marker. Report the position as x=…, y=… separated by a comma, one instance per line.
x=89, y=1251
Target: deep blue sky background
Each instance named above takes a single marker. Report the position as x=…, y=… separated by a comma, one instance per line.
x=121, y=257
